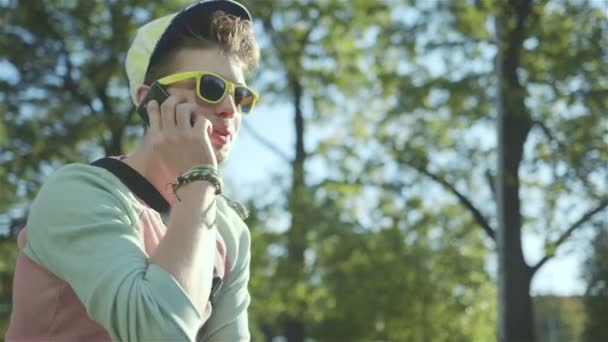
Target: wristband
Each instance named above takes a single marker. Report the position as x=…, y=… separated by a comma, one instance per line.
x=200, y=172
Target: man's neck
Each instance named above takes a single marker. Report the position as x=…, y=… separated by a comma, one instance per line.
x=155, y=174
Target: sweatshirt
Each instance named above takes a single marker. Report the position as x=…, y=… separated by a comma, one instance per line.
x=82, y=273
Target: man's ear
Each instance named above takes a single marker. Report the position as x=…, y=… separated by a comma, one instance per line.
x=141, y=92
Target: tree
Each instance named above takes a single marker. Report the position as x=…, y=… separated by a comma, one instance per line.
x=298, y=32
x=438, y=70
x=315, y=46
x=63, y=89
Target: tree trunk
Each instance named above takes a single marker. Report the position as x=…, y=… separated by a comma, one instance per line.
x=296, y=239
x=515, y=319
x=114, y=146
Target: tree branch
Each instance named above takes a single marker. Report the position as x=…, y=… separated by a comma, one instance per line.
x=394, y=186
x=562, y=150
x=491, y=183
x=68, y=81
x=549, y=135
x=266, y=143
x=457, y=43
x=565, y=235
x=477, y=215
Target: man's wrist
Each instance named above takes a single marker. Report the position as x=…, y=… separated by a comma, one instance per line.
x=195, y=189
x=198, y=198
x=200, y=173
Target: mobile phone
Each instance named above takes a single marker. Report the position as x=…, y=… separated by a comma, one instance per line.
x=157, y=92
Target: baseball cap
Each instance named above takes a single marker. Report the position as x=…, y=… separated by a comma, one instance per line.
x=157, y=35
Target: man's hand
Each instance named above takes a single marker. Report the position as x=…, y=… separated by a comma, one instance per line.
x=178, y=138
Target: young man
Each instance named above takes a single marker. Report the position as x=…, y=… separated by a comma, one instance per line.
x=102, y=257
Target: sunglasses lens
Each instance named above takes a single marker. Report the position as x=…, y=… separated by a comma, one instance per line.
x=244, y=98
x=212, y=88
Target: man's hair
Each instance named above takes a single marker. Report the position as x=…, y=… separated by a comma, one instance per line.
x=231, y=34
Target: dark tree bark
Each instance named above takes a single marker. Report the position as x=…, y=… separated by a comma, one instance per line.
x=296, y=238
x=515, y=319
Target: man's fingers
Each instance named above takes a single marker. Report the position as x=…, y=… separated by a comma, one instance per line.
x=168, y=111
x=203, y=127
x=184, y=114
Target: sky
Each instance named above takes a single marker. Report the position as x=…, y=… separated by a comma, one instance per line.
x=251, y=163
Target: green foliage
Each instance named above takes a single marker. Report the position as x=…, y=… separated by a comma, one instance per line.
x=559, y=318
x=8, y=258
x=406, y=284
x=424, y=122
x=596, y=295
x=402, y=280
x=64, y=95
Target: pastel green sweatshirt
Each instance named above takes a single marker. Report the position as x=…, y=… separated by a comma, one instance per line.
x=83, y=271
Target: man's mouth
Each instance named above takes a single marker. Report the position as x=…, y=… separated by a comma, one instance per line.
x=221, y=135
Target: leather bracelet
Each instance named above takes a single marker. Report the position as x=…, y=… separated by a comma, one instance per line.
x=201, y=172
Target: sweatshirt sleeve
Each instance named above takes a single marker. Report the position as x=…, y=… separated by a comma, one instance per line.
x=83, y=228
x=229, y=322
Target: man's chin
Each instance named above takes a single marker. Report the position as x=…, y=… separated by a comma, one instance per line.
x=222, y=155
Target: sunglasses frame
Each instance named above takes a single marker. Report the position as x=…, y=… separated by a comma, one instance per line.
x=198, y=75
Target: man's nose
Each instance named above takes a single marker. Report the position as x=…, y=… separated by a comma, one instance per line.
x=226, y=108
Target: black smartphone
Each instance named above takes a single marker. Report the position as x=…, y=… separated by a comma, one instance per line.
x=157, y=92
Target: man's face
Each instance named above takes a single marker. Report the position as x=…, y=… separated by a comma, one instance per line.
x=224, y=116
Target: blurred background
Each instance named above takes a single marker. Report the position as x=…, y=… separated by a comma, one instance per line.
x=371, y=164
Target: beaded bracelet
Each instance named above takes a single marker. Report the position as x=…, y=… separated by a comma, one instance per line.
x=200, y=172
x=207, y=169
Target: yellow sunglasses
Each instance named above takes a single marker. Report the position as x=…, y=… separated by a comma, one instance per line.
x=212, y=88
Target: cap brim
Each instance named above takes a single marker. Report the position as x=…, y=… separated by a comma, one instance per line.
x=204, y=8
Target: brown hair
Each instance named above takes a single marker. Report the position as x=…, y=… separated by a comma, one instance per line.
x=233, y=35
